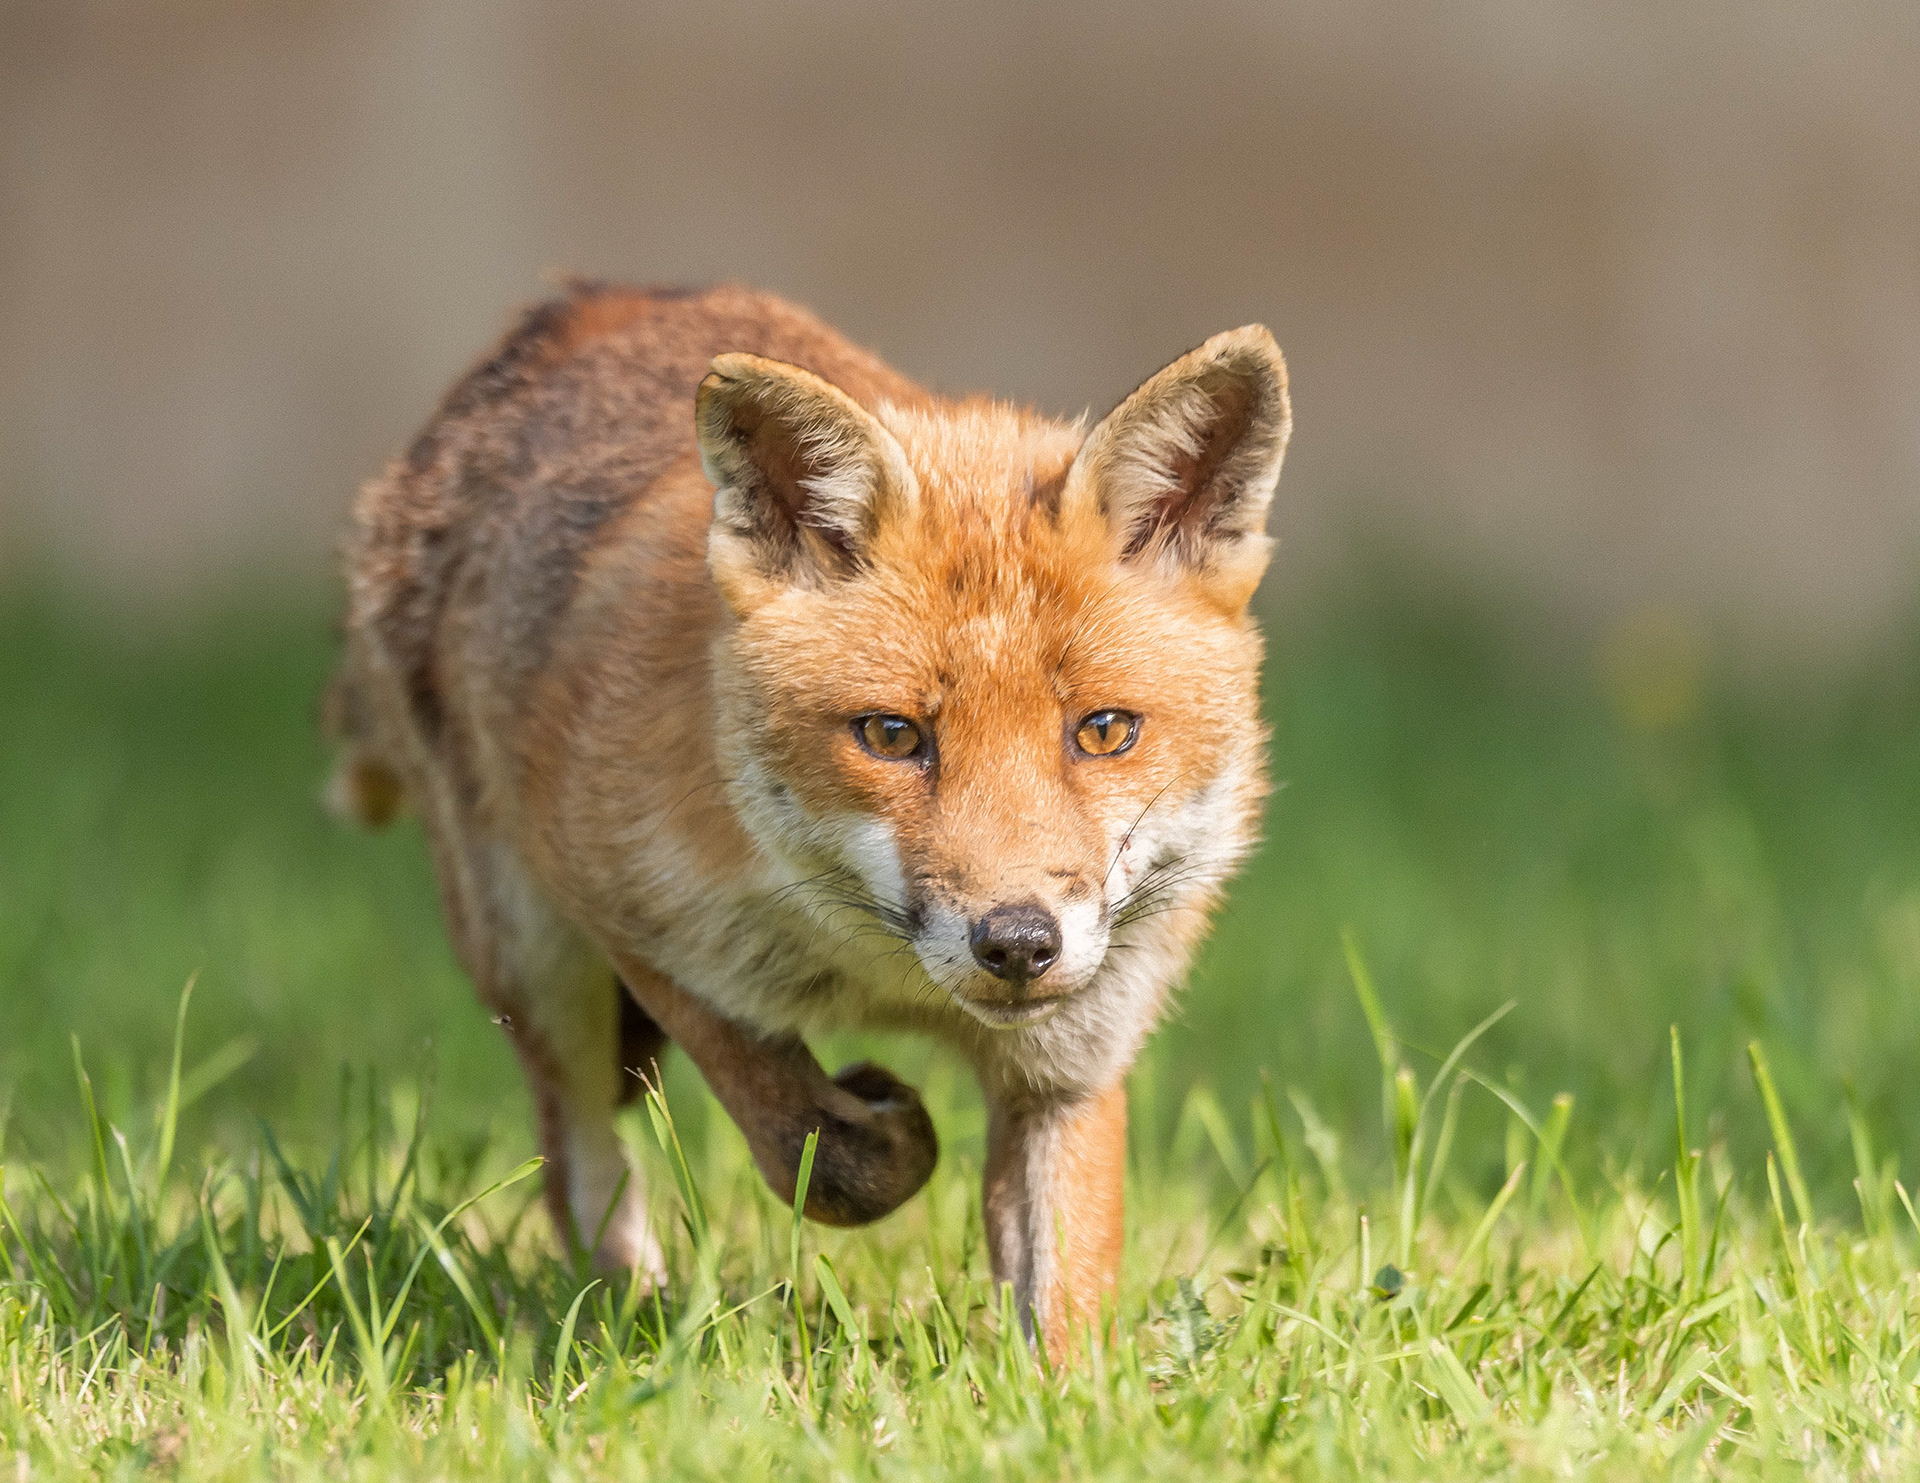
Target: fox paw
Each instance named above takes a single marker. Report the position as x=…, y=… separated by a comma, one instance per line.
x=877, y=1148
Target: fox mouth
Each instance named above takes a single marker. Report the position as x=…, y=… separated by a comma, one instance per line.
x=1013, y=1016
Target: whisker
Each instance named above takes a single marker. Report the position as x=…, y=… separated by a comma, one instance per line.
x=1166, y=889
x=1127, y=838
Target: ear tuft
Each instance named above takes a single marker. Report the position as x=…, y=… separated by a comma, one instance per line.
x=1184, y=469
x=802, y=475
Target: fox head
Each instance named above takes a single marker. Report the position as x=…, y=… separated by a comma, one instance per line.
x=990, y=687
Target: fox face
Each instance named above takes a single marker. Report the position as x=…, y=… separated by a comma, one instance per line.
x=989, y=692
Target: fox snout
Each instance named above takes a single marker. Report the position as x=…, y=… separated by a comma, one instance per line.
x=1016, y=943
x=1015, y=957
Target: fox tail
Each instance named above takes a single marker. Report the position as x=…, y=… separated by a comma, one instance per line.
x=363, y=789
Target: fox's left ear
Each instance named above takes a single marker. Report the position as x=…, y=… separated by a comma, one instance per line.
x=802, y=476
x=1183, y=470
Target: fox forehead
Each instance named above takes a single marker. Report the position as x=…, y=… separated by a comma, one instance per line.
x=983, y=458
x=997, y=615
x=983, y=583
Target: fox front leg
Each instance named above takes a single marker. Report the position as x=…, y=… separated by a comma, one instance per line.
x=877, y=1145
x=1055, y=1203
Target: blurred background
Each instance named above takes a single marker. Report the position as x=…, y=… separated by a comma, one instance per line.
x=1593, y=615
x=1617, y=300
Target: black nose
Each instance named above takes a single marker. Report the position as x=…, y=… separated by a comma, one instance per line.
x=1016, y=943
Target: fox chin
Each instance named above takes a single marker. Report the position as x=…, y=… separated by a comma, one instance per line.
x=746, y=691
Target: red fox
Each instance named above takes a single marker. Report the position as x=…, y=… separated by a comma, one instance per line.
x=748, y=691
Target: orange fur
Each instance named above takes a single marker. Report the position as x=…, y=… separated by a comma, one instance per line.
x=1057, y=1174
x=616, y=619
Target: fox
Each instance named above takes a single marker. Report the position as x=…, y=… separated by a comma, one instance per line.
x=748, y=691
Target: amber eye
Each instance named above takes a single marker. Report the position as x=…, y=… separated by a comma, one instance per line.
x=1106, y=732
x=893, y=737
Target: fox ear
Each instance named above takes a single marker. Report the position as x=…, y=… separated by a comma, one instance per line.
x=1183, y=469
x=802, y=476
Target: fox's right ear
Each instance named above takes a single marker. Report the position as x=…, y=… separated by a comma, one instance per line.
x=802, y=476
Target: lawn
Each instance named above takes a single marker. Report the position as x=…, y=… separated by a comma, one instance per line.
x=1648, y=1221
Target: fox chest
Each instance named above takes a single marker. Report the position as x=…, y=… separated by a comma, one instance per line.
x=767, y=963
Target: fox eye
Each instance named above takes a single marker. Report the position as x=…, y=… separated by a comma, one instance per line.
x=1105, y=733
x=893, y=737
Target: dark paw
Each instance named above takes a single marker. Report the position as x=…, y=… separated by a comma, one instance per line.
x=878, y=1087
x=874, y=1153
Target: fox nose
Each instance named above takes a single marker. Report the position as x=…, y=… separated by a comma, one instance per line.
x=1017, y=943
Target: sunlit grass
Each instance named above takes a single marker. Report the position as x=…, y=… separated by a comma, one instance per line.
x=392, y=1312
x=1537, y=1110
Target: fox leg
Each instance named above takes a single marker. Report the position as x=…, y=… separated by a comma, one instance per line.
x=876, y=1143
x=1055, y=1202
x=568, y=1036
x=555, y=995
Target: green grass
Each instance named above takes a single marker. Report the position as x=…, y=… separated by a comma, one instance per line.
x=302, y=1238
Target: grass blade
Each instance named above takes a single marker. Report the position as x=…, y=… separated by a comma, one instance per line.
x=238, y=1321
x=800, y=1183
x=836, y=1295
x=693, y=1208
x=1384, y=1043
x=170, y=1110
x=1782, y=1134
x=373, y=1367
x=563, y=1346
x=1485, y=1229
x=1459, y=1389
x=1383, y=1038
